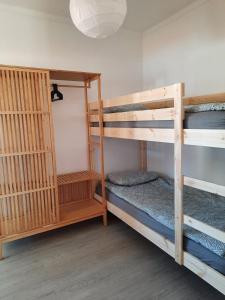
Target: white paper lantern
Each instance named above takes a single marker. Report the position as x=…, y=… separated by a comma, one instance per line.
x=98, y=18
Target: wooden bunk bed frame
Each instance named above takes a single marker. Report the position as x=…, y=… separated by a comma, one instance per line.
x=167, y=103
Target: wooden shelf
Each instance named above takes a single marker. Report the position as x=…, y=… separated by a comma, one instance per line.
x=24, y=112
x=72, y=75
x=25, y=153
x=77, y=177
x=81, y=210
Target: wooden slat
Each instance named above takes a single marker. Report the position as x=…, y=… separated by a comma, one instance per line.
x=145, y=115
x=205, y=228
x=155, y=95
x=22, y=112
x=33, y=141
x=213, y=98
x=205, y=137
x=25, y=192
x=101, y=148
x=52, y=173
x=142, y=134
x=205, y=186
x=25, y=153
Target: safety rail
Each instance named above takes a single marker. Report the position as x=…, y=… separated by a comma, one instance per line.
x=145, y=115
x=205, y=137
x=205, y=228
x=196, y=224
x=161, y=96
x=149, y=96
x=205, y=186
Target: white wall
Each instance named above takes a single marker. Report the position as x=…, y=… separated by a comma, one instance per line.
x=32, y=39
x=189, y=47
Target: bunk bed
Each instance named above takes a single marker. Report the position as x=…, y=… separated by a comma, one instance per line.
x=165, y=115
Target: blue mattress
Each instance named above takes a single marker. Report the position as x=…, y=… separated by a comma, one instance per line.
x=205, y=255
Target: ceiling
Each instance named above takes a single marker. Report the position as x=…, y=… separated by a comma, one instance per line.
x=142, y=14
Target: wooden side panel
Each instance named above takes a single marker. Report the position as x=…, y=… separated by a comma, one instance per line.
x=28, y=197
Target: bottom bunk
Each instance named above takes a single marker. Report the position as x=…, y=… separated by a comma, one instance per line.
x=147, y=203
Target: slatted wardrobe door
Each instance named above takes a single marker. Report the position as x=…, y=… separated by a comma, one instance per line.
x=28, y=195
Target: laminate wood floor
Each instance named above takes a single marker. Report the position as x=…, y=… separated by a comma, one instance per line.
x=92, y=262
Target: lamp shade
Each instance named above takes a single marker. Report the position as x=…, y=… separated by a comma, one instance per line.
x=98, y=18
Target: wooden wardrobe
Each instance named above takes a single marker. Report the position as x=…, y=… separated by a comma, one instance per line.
x=29, y=199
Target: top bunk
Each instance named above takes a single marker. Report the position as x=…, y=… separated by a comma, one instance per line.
x=157, y=115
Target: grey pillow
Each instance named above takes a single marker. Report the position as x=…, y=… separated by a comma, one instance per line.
x=130, y=178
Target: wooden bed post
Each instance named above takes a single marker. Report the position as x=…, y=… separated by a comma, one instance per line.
x=87, y=123
x=101, y=127
x=178, y=175
x=143, y=155
x=89, y=143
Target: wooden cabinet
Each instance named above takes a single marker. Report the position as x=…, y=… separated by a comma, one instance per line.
x=28, y=187
x=29, y=199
